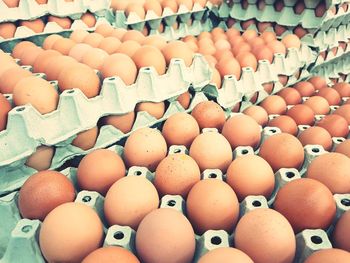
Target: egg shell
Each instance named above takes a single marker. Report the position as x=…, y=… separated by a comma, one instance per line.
x=94, y=58
x=29, y=56
x=11, y=3
x=331, y=95
x=285, y=124
x=342, y=231
x=209, y=114
x=155, y=109
x=89, y=19
x=20, y=48
x=291, y=41
x=93, y=39
x=136, y=8
x=149, y=56
x=178, y=49
x=336, y=125
x=104, y=29
x=54, y=67
x=5, y=107
x=302, y=114
x=258, y=113
x=122, y=122
x=7, y=30
x=184, y=99
x=274, y=104
x=112, y=253
x=41, y=159
x=153, y=5
x=79, y=50
x=156, y=41
x=330, y=255
x=85, y=140
x=344, y=148
x=11, y=77
x=63, y=45
x=110, y=44
x=37, y=25
x=316, y=135
x=343, y=111
x=342, y=88
x=318, y=82
x=223, y=254
x=63, y=22
x=78, y=35
x=318, y=104
x=290, y=95
x=43, y=59
x=133, y=35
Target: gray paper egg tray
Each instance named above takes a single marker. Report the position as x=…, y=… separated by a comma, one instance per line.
x=19, y=238
x=30, y=9
x=286, y=17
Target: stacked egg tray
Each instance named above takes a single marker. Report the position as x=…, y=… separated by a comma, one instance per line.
x=31, y=9
x=19, y=236
x=199, y=15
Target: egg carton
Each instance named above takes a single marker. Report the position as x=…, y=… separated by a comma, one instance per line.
x=332, y=54
x=13, y=176
x=286, y=17
x=30, y=9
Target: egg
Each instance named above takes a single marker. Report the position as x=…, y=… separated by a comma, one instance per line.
x=209, y=114
x=88, y=19
x=118, y=33
x=291, y=41
x=110, y=44
x=65, y=229
x=79, y=50
x=184, y=99
x=128, y=47
x=178, y=50
x=258, y=113
x=155, y=109
x=63, y=45
x=318, y=82
x=145, y=147
x=86, y=140
x=122, y=122
x=129, y=200
x=43, y=59
x=5, y=107
x=279, y=30
x=136, y=8
x=180, y=129
x=215, y=211
x=223, y=254
x=41, y=159
x=93, y=39
x=253, y=236
x=229, y=66
x=94, y=58
x=300, y=32
x=71, y=78
x=36, y=25
x=11, y=3
x=343, y=111
x=153, y=5
x=149, y=56
x=104, y=29
x=285, y=124
x=316, y=135
x=43, y=192
x=242, y=130
x=344, y=148
x=20, y=48
x=329, y=255
x=342, y=88
x=111, y=253
x=54, y=67
x=37, y=92
x=305, y=89
x=120, y=65
x=263, y=53
x=29, y=55
x=290, y=95
x=274, y=105
x=331, y=169
x=133, y=35
x=331, y=95
x=176, y=174
x=172, y=239
x=11, y=77
x=282, y=151
x=7, y=30
x=318, y=104
x=211, y=150
x=156, y=41
x=302, y=114
x=247, y=60
x=78, y=35
x=341, y=232
x=336, y=125
x=263, y=26
x=63, y=22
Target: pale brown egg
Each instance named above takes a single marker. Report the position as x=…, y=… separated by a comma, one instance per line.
x=19, y=49
x=65, y=229
x=150, y=56
x=279, y=30
x=43, y=192
x=37, y=25
x=247, y=59
x=187, y=3
x=285, y=123
x=342, y=231
x=63, y=22
x=171, y=4
x=119, y=4
x=155, y=109
x=11, y=3
x=153, y=5
x=241, y=47
x=178, y=50
x=306, y=203
x=85, y=140
x=209, y=114
x=274, y=105
x=29, y=55
x=263, y=26
x=10, y=78
x=206, y=49
x=180, y=129
x=70, y=78
x=249, y=34
x=222, y=54
x=89, y=19
x=331, y=169
x=229, y=66
x=318, y=82
x=316, y=135
x=276, y=47
x=145, y=147
x=54, y=67
x=93, y=39
x=329, y=255
x=344, y=148
x=137, y=8
x=7, y=30
x=129, y=200
x=318, y=104
x=78, y=35
x=342, y=88
x=63, y=45
x=184, y=99
x=118, y=33
x=172, y=241
x=110, y=44
x=336, y=125
x=253, y=236
x=290, y=95
x=223, y=254
x=258, y=113
x=283, y=79
x=94, y=58
x=331, y=95
x=79, y=50
x=156, y=41
x=41, y=159
x=268, y=36
x=5, y=107
x=120, y=65
x=343, y=111
x=176, y=174
x=302, y=114
x=104, y=29
x=111, y=253
x=122, y=122
x=211, y=150
x=214, y=211
x=282, y=151
x=43, y=59
x=306, y=89
x=133, y=35
x=128, y=47
x=37, y=92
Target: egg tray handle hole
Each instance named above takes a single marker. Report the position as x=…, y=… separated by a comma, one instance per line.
x=171, y=203
x=118, y=235
x=256, y=203
x=316, y=240
x=345, y=201
x=315, y=150
x=273, y=131
x=177, y=151
x=213, y=175
x=137, y=173
x=26, y=229
x=244, y=151
x=290, y=175
x=86, y=199
x=216, y=240
x=20, y=109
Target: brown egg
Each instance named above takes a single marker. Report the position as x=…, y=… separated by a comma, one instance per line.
x=128, y=47
x=172, y=5
x=89, y=19
x=263, y=26
x=302, y=114
x=229, y=66
x=247, y=169
x=318, y=82
x=10, y=78
x=223, y=254
x=283, y=79
x=70, y=78
x=11, y=3
x=178, y=50
x=342, y=231
x=54, y=67
x=291, y=41
x=331, y=169
x=145, y=147
x=37, y=25
x=133, y=35
x=104, y=29
x=63, y=22
x=249, y=34
x=172, y=239
x=120, y=65
x=344, y=148
x=176, y=174
x=118, y=33
x=184, y=99
x=285, y=124
x=41, y=159
x=343, y=111
x=153, y=5
x=211, y=150
x=122, y=122
x=63, y=45
x=306, y=89
x=110, y=44
x=274, y=105
x=85, y=140
x=320, y=9
x=155, y=40
x=94, y=58
x=149, y=56
x=282, y=151
x=336, y=125
x=79, y=50
x=247, y=59
x=5, y=107
x=180, y=129
x=155, y=109
x=187, y=3
x=318, y=104
x=129, y=200
x=43, y=59
x=258, y=114
x=342, y=88
x=306, y=203
x=222, y=44
x=20, y=48
x=329, y=255
x=222, y=54
x=209, y=114
x=263, y=53
x=331, y=95
x=276, y=47
x=279, y=30
x=119, y=4
x=43, y=192
x=316, y=135
x=300, y=32
x=37, y=92
x=290, y=95
x=136, y=8
x=241, y=47
x=255, y=229
x=7, y=30
x=93, y=39
x=217, y=210
x=268, y=36
x=65, y=229
x=29, y=55
x=78, y=35
x=112, y=253
x=205, y=49
x=242, y=130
